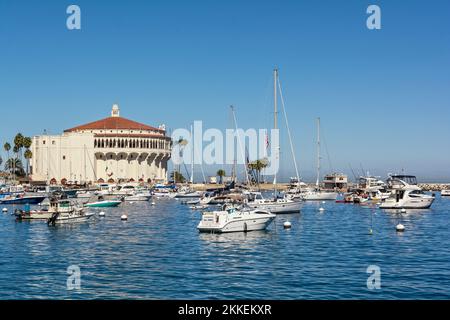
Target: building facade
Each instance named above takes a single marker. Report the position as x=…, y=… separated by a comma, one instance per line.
x=112, y=150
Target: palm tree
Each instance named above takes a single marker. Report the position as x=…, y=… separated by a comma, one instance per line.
x=27, y=142
x=15, y=165
x=18, y=143
x=258, y=166
x=177, y=177
x=28, y=155
x=221, y=174
x=7, y=147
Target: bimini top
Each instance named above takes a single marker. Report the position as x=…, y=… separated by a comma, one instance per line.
x=115, y=122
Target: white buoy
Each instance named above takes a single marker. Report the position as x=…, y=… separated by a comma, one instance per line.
x=400, y=228
x=5, y=210
x=153, y=203
x=287, y=225
x=101, y=214
x=403, y=210
x=124, y=217
x=131, y=202
x=321, y=209
x=323, y=201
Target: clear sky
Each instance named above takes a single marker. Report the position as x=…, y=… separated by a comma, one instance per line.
x=383, y=96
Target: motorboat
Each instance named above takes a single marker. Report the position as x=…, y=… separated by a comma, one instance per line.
x=55, y=206
x=68, y=213
x=235, y=219
x=138, y=197
x=276, y=205
x=101, y=202
x=406, y=194
x=192, y=194
x=22, y=199
x=163, y=193
x=445, y=193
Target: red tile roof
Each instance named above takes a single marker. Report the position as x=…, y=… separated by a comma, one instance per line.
x=114, y=123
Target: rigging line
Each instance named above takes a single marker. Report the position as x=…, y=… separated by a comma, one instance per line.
x=240, y=145
x=288, y=130
x=328, y=154
x=201, y=164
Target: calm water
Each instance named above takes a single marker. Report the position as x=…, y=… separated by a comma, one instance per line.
x=158, y=254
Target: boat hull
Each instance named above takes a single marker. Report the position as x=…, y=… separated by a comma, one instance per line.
x=73, y=219
x=25, y=200
x=409, y=204
x=103, y=204
x=279, y=208
x=320, y=196
x=34, y=215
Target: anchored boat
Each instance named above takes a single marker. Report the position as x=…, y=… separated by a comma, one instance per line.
x=232, y=219
x=406, y=194
x=22, y=199
x=100, y=202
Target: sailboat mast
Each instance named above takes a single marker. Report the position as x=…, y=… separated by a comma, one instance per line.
x=318, y=152
x=275, y=106
x=240, y=145
x=275, y=114
x=192, y=155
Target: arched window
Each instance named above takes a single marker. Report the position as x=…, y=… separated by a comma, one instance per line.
x=95, y=143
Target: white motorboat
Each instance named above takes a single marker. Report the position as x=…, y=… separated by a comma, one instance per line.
x=67, y=212
x=138, y=197
x=445, y=193
x=163, y=193
x=406, y=194
x=233, y=219
x=276, y=205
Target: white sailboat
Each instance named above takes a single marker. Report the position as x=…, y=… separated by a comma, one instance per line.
x=317, y=194
x=278, y=204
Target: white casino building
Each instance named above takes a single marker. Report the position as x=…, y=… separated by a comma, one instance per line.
x=111, y=150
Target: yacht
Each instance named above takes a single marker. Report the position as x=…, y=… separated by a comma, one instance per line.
x=445, y=193
x=276, y=205
x=235, y=219
x=406, y=194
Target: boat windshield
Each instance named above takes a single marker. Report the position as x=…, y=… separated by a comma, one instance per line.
x=408, y=179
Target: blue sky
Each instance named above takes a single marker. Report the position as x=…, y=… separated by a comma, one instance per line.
x=383, y=96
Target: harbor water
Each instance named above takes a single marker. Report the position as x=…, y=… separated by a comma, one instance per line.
x=159, y=254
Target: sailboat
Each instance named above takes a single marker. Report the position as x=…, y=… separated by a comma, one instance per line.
x=279, y=204
x=316, y=193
